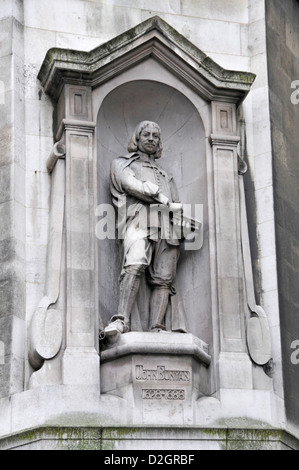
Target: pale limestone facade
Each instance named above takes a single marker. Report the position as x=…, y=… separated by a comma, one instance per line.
x=66, y=391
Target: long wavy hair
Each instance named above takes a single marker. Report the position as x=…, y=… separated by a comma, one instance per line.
x=133, y=143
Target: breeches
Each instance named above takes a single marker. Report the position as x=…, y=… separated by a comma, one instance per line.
x=157, y=258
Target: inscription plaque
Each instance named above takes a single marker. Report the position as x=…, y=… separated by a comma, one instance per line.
x=162, y=375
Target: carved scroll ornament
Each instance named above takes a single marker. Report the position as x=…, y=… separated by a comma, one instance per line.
x=46, y=323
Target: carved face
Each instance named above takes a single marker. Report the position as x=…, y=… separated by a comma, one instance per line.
x=149, y=139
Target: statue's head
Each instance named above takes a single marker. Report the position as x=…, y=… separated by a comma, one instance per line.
x=147, y=139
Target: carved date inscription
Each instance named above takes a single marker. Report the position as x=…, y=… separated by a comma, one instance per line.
x=159, y=394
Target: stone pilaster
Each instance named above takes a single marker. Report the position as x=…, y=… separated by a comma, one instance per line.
x=81, y=360
x=234, y=364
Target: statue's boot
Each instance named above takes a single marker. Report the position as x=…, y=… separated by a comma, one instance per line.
x=159, y=302
x=119, y=323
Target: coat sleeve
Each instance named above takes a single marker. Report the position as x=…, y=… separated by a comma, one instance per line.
x=124, y=180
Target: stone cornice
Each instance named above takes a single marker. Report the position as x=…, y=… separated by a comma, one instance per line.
x=75, y=125
x=152, y=38
x=224, y=140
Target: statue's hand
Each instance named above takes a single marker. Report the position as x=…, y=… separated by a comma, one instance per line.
x=162, y=199
x=175, y=207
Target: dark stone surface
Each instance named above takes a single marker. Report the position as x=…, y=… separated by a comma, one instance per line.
x=282, y=28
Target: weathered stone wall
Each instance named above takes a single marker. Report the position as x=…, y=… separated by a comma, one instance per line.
x=12, y=199
x=134, y=438
x=283, y=69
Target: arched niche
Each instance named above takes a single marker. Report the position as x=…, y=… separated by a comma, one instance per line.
x=184, y=156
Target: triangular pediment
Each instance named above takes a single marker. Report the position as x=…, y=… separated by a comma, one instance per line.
x=153, y=38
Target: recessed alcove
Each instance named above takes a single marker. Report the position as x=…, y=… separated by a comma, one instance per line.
x=184, y=157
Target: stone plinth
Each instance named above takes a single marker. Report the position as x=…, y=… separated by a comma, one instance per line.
x=152, y=438
x=159, y=374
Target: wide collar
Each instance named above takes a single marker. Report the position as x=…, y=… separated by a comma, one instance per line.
x=138, y=155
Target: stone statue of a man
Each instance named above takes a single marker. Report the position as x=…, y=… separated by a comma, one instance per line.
x=148, y=243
